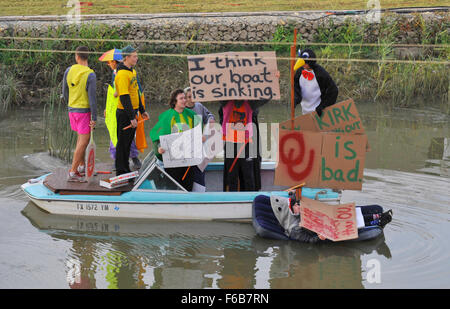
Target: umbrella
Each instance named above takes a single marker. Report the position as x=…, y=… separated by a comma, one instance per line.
x=113, y=54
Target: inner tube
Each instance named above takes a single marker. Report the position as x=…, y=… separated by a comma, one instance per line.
x=266, y=224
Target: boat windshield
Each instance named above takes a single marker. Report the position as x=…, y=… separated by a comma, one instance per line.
x=157, y=179
x=146, y=164
x=153, y=177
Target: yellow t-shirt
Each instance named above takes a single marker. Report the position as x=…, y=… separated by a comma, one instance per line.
x=126, y=83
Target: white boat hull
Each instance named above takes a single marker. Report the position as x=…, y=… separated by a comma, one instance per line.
x=168, y=211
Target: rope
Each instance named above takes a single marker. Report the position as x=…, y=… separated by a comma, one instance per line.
x=220, y=42
x=277, y=58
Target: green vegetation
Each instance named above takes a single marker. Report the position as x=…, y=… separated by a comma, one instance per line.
x=388, y=80
x=58, y=136
x=10, y=90
x=59, y=7
x=394, y=83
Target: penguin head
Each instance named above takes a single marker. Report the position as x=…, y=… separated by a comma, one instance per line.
x=304, y=55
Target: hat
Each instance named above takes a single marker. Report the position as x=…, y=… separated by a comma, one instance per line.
x=306, y=54
x=127, y=50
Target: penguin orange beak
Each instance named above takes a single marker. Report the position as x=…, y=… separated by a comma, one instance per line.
x=300, y=62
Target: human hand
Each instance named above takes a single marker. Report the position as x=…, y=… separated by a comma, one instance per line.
x=277, y=74
x=146, y=116
x=296, y=208
x=104, y=113
x=92, y=124
x=161, y=150
x=134, y=123
x=211, y=123
x=116, y=94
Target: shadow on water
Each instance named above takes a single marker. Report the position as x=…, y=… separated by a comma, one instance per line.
x=115, y=253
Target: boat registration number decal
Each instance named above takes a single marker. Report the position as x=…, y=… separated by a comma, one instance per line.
x=95, y=207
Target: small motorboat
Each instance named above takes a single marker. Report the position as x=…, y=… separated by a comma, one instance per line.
x=267, y=225
x=156, y=195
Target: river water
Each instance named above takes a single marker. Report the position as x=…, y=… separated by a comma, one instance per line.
x=407, y=170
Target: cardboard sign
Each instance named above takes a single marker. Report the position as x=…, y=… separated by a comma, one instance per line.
x=320, y=158
x=183, y=149
x=341, y=117
x=234, y=75
x=335, y=222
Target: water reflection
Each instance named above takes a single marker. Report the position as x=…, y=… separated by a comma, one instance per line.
x=407, y=170
x=121, y=253
x=438, y=157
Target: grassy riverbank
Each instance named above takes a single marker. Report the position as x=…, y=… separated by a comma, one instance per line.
x=36, y=76
x=58, y=7
x=387, y=78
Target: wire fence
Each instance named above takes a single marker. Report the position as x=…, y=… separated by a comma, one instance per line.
x=431, y=62
x=399, y=45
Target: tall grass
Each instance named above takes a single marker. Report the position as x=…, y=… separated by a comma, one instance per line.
x=10, y=90
x=398, y=84
x=58, y=136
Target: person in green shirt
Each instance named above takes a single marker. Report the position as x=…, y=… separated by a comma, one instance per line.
x=176, y=119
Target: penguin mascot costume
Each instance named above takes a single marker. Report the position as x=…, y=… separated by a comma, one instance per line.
x=314, y=89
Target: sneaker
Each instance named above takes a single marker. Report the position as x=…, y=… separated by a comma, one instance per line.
x=137, y=163
x=385, y=218
x=75, y=177
x=80, y=169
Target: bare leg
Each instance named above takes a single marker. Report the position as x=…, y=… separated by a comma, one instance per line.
x=78, y=155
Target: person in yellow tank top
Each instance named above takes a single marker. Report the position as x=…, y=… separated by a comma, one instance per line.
x=79, y=92
x=128, y=107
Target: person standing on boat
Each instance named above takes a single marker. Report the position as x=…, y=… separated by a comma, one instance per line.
x=111, y=109
x=79, y=92
x=128, y=107
x=242, y=164
x=207, y=118
x=314, y=89
x=176, y=119
x=240, y=129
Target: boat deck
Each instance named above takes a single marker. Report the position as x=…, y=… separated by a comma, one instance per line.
x=57, y=182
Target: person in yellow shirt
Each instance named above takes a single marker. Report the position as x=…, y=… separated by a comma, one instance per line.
x=79, y=92
x=128, y=107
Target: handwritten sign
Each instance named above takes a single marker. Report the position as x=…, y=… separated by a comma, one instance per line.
x=335, y=222
x=234, y=75
x=323, y=152
x=342, y=117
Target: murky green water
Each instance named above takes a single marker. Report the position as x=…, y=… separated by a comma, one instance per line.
x=406, y=171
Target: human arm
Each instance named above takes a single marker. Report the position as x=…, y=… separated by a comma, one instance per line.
x=158, y=149
x=207, y=116
x=128, y=108
x=65, y=88
x=222, y=104
x=91, y=86
x=328, y=89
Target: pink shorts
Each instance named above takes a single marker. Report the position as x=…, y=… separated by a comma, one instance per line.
x=79, y=122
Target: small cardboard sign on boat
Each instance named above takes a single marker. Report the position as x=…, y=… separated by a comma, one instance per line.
x=335, y=222
x=118, y=181
x=325, y=152
x=234, y=75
